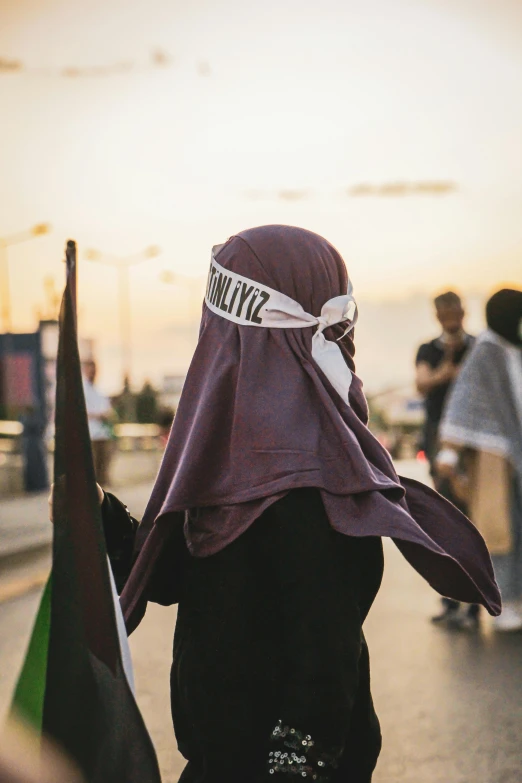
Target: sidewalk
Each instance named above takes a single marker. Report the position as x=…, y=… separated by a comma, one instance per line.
x=24, y=521
x=24, y=524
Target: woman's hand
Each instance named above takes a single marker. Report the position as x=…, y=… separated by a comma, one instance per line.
x=446, y=462
x=99, y=490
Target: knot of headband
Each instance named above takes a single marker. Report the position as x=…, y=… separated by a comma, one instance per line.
x=249, y=303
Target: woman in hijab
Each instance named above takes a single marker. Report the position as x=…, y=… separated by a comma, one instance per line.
x=265, y=525
x=483, y=419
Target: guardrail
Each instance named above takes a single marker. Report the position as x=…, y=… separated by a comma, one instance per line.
x=137, y=453
x=10, y=429
x=128, y=437
x=138, y=437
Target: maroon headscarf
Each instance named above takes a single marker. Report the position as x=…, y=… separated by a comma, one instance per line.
x=258, y=418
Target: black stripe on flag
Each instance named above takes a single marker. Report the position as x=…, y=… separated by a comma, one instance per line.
x=89, y=708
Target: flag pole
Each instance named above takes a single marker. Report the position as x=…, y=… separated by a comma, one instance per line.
x=76, y=686
x=71, y=274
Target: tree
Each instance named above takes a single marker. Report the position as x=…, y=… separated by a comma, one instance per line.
x=147, y=404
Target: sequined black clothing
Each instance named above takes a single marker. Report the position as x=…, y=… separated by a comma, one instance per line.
x=269, y=637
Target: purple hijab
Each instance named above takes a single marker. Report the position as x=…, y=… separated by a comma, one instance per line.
x=258, y=418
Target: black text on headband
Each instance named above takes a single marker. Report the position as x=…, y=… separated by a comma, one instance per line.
x=240, y=298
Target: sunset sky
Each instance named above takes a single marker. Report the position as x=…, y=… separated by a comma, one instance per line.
x=254, y=99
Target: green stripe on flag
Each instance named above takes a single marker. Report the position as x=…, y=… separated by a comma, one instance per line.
x=28, y=699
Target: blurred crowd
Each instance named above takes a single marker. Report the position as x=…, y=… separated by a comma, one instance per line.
x=473, y=437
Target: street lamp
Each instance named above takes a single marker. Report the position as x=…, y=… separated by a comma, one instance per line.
x=191, y=286
x=123, y=266
x=14, y=239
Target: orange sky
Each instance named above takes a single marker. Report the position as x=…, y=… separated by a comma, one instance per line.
x=264, y=97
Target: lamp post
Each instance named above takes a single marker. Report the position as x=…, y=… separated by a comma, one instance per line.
x=14, y=239
x=193, y=289
x=123, y=266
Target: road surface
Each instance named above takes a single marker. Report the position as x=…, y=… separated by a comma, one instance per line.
x=450, y=703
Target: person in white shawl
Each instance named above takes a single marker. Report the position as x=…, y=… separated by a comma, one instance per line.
x=483, y=419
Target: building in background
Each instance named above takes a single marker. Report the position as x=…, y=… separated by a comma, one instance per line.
x=27, y=392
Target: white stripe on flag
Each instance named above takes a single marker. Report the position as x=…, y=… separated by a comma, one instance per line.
x=122, y=634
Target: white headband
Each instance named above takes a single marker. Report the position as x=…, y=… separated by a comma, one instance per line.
x=249, y=303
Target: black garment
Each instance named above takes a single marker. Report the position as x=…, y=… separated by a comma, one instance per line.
x=269, y=653
x=120, y=530
x=433, y=354
x=504, y=313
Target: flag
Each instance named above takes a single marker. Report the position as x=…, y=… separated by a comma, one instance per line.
x=75, y=687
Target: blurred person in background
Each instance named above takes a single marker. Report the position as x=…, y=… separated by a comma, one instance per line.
x=34, y=450
x=436, y=367
x=100, y=414
x=165, y=419
x=483, y=423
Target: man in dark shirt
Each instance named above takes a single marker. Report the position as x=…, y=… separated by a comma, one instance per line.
x=437, y=366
